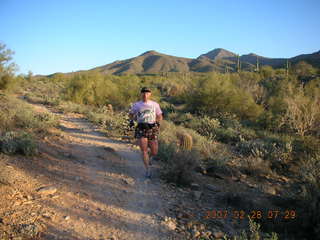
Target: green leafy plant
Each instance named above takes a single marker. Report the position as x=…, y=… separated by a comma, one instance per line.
x=18, y=142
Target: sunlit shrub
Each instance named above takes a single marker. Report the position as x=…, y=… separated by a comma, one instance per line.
x=14, y=142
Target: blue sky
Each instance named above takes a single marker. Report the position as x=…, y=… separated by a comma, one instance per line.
x=70, y=35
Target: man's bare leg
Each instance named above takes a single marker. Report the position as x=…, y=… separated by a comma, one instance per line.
x=143, y=142
x=153, y=147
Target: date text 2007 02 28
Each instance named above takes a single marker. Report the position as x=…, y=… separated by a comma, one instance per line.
x=254, y=214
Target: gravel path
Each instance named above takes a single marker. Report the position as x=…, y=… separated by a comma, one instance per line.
x=102, y=192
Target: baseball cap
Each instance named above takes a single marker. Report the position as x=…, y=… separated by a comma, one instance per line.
x=145, y=89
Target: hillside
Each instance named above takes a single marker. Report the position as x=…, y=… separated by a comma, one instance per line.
x=219, y=59
x=313, y=58
x=148, y=62
x=218, y=53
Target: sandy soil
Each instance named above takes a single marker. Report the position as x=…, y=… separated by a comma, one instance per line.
x=102, y=192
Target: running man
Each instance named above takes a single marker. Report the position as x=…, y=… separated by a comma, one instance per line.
x=148, y=115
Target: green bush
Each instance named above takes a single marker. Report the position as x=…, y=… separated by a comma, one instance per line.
x=254, y=233
x=37, y=121
x=204, y=153
x=15, y=114
x=205, y=126
x=43, y=99
x=304, y=147
x=310, y=196
x=14, y=142
x=179, y=166
x=168, y=134
x=229, y=120
x=274, y=149
x=71, y=107
x=227, y=135
x=116, y=123
x=218, y=94
x=166, y=151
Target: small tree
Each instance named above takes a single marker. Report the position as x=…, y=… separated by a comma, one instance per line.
x=303, y=112
x=7, y=69
x=303, y=69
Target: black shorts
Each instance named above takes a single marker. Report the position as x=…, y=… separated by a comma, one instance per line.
x=147, y=130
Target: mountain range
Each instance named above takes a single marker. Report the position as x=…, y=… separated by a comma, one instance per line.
x=219, y=59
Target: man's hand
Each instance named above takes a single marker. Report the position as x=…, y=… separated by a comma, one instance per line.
x=131, y=123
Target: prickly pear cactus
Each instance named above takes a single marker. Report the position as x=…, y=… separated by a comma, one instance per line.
x=185, y=141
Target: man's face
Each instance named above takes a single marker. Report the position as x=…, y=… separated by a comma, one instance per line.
x=145, y=96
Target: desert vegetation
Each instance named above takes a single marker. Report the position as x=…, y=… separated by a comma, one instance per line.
x=259, y=123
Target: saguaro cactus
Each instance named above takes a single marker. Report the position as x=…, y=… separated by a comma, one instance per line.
x=110, y=108
x=287, y=68
x=238, y=63
x=185, y=141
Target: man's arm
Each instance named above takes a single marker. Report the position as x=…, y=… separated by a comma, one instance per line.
x=159, y=118
x=132, y=112
x=131, y=116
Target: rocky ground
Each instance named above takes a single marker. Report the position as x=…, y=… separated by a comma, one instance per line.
x=83, y=185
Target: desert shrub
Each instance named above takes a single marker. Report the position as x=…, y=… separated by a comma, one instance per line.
x=270, y=121
x=116, y=123
x=179, y=167
x=14, y=142
x=73, y=107
x=173, y=117
x=310, y=199
x=167, y=107
x=247, y=133
x=37, y=121
x=233, y=136
x=98, y=90
x=169, y=133
x=166, y=151
x=303, y=147
x=203, y=154
x=43, y=99
x=8, y=82
x=21, y=231
x=302, y=112
x=217, y=94
x=254, y=233
x=255, y=166
x=217, y=156
x=180, y=118
x=205, y=126
x=16, y=114
x=229, y=120
x=227, y=135
x=272, y=148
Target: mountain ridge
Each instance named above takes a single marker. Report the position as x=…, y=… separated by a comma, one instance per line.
x=218, y=59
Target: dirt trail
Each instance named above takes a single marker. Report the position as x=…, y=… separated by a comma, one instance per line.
x=101, y=189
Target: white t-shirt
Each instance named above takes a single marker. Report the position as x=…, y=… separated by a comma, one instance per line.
x=146, y=112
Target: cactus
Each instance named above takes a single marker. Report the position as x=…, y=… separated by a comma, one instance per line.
x=287, y=68
x=185, y=141
x=110, y=108
x=238, y=63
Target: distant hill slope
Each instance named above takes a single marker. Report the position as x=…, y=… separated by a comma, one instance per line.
x=148, y=62
x=218, y=53
x=313, y=58
x=219, y=59
x=253, y=58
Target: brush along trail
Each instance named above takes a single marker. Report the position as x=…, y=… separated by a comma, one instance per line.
x=83, y=185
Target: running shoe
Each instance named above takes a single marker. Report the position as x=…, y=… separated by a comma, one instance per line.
x=148, y=173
